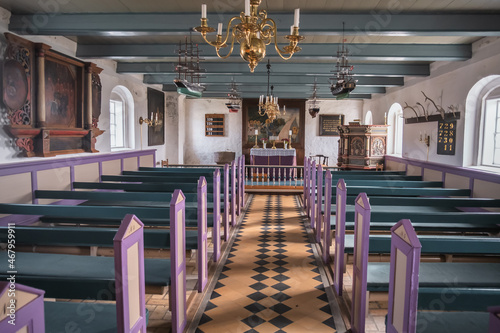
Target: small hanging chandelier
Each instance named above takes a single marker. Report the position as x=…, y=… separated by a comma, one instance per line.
x=313, y=104
x=343, y=82
x=269, y=105
x=253, y=33
x=234, y=96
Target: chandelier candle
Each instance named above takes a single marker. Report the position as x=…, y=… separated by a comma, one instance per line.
x=253, y=32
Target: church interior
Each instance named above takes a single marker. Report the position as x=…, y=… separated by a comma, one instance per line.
x=250, y=166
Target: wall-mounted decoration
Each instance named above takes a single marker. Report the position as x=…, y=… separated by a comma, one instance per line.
x=156, y=110
x=442, y=114
x=446, y=137
x=328, y=124
x=214, y=125
x=54, y=113
x=18, y=80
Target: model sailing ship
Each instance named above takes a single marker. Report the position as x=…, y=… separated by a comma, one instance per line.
x=344, y=82
x=188, y=70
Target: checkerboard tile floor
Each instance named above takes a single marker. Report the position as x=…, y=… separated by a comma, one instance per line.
x=270, y=282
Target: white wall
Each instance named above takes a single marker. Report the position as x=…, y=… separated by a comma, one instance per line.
x=448, y=84
x=329, y=145
x=199, y=149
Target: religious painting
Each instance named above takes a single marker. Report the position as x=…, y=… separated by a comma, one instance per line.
x=156, y=113
x=288, y=125
x=285, y=126
x=61, y=95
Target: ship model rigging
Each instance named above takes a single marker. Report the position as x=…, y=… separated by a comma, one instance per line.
x=188, y=70
x=343, y=82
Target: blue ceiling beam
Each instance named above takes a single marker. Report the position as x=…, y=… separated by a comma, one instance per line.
x=282, y=80
x=361, y=24
x=279, y=89
x=322, y=71
x=289, y=95
x=324, y=52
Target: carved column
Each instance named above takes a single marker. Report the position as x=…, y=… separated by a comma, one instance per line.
x=92, y=103
x=40, y=50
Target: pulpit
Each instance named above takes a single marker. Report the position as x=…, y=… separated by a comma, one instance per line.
x=362, y=146
x=274, y=157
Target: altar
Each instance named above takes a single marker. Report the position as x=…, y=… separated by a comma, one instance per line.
x=274, y=157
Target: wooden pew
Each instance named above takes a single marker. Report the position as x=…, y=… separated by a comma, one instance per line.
x=402, y=315
x=146, y=199
x=130, y=269
x=228, y=188
x=92, y=214
x=432, y=275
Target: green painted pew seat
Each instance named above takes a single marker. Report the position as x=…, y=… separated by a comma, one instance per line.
x=452, y=322
x=435, y=226
x=58, y=274
x=82, y=318
x=437, y=275
x=190, y=222
x=458, y=299
x=434, y=244
x=90, y=236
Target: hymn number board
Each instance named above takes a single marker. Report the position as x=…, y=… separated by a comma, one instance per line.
x=446, y=137
x=214, y=125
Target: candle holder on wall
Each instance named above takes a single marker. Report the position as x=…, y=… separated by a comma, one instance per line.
x=150, y=122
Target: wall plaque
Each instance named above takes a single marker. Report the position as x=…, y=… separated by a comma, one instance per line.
x=446, y=137
x=214, y=125
x=328, y=124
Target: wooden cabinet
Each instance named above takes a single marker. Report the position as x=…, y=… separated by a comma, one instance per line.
x=362, y=146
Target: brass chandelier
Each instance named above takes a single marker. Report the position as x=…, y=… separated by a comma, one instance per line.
x=253, y=32
x=269, y=105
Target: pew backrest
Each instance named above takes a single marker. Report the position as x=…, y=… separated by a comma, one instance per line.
x=403, y=283
x=130, y=282
x=178, y=262
x=339, y=236
x=27, y=311
x=359, y=279
x=326, y=218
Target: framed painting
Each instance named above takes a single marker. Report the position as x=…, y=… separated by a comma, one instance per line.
x=293, y=120
x=156, y=112
x=63, y=90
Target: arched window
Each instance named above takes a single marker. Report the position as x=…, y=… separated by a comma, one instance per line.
x=482, y=123
x=395, y=130
x=121, y=111
x=368, y=118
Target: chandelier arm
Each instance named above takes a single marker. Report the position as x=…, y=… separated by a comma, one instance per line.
x=230, y=27
x=217, y=44
x=272, y=25
x=230, y=50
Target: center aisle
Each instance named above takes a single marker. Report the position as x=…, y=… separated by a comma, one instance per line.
x=270, y=282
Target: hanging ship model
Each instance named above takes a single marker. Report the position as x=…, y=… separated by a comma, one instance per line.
x=343, y=82
x=188, y=71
